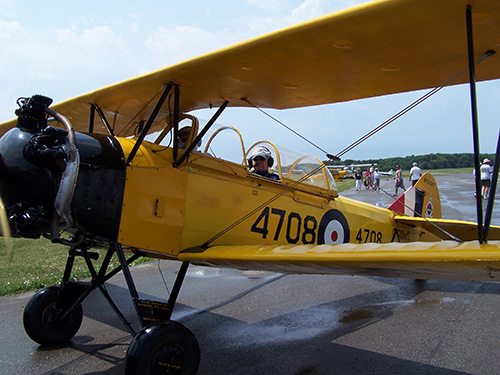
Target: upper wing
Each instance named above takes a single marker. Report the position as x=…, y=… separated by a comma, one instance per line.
x=373, y=49
x=469, y=261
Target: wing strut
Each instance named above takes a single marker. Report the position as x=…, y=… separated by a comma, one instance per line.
x=202, y=133
x=93, y=109
x=152, y=117
x=475, y=128
x=91, y=119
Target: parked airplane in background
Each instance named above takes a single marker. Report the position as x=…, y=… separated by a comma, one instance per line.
x=338, y=174
x=346, y=171
x=90, y=178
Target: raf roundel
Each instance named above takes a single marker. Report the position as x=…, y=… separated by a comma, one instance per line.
x=429, y=210
x=333, y=228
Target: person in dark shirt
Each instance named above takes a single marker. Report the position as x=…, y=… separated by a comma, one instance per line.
x=359, y=179
x=260, y=160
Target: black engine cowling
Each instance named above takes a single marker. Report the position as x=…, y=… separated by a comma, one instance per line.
x=32, y=161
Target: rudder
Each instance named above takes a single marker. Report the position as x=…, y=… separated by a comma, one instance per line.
x=432, y=201
x=421, y=200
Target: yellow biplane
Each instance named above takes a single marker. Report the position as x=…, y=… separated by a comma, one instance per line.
x=342, y=171
x=91, y=177
x=337, y=173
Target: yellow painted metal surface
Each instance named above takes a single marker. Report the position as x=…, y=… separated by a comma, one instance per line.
x=469, y=261
x=373, y=49
x=211, y=211
x=432, y=200
x=167, y=209
x=465, y=231
x=154, y=199
x=153, y=209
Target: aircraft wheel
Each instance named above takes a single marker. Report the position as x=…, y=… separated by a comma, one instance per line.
x=166, y=348
x=42, y=319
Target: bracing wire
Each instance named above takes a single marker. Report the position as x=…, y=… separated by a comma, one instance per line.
x=342, y=152
x=163, y=277
x=289, y=128
x=425, y=218
x=411, y=106
x=261, y=206
x=385, y=123
x=130, y=123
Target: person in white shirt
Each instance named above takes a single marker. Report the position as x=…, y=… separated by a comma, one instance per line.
x=486, y=172
x=415, y=174
x=376, y=176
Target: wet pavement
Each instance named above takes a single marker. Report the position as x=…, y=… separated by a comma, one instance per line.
x=265, y=323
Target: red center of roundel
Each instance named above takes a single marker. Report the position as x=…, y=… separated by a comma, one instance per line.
x=335, y=236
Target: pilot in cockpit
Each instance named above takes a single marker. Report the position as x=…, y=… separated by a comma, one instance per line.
x=184, y=137
x=259, y=162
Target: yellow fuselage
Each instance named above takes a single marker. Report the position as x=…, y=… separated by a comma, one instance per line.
x=167, y=209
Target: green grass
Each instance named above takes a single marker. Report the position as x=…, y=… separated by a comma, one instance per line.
x=39, y=263
x=449, y=171
x=345, y=184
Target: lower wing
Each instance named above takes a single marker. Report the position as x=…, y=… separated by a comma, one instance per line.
x=468, y=261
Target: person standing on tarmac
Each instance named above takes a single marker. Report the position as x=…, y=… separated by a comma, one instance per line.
x=486, y=172
x=415, y=174
x=399, y=181
x=359, y=179
x=376, y=176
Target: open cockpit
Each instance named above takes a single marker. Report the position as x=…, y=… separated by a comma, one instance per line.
x=226, y=143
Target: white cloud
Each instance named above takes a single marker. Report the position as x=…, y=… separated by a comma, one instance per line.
x=172, y=45
x=9, y=29
x=310, y=9
x=273, y=6
x=97, y=37
x=98, y=51
x=178, y=38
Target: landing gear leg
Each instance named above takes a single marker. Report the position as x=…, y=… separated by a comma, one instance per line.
x=163, y=346
x=54, y=314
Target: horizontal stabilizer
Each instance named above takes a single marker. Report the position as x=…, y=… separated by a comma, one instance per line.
x=464, y=230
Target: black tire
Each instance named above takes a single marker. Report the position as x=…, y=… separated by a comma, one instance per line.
x=166, y=348
x=42, y=320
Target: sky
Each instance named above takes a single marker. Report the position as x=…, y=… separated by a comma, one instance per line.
x=65, y=48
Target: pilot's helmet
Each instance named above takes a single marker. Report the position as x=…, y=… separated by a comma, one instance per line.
x=263, y=152
x=184, y=132
x=183, y=137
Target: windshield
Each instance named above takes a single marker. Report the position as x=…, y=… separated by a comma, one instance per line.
x=226, y=142
x=310, y=170
x=295, y=166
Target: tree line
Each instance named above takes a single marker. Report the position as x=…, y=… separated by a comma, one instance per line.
x=429, y=161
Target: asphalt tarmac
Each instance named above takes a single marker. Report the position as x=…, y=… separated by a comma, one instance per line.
x=265, y=323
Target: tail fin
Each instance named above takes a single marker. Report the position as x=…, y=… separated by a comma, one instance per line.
x=421, y=200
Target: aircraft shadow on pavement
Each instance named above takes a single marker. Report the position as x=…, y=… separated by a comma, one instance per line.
x=298, y=342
